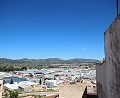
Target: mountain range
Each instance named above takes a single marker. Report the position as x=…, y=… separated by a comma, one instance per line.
x=49, y=61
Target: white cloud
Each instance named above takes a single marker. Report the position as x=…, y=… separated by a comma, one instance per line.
x=83, y=48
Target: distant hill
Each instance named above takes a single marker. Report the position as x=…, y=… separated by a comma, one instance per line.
x=49, y=61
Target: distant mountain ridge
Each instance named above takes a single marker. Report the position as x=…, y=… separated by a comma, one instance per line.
x=49, y=61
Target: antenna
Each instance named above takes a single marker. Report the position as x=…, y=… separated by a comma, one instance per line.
x=117, y=7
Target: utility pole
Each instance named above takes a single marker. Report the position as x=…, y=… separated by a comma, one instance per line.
x=117, y=7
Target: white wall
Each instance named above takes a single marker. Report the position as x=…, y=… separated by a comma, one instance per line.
x=101, y=80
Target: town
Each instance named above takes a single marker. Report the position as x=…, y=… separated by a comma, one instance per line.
x=59, y=49
x=47, y=81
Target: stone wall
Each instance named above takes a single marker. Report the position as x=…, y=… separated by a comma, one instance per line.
x=112, y=58
x=108, y=73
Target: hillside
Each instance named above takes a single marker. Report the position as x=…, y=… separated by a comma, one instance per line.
x=49, y=61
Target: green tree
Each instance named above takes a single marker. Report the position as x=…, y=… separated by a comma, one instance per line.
x=23, y=68
x=54, y=77
x=11, y=82
x=13, y=94
x=6, y=94
x=40, y=81
x=4, y=81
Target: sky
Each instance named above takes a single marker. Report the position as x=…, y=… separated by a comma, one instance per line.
x=38, y=29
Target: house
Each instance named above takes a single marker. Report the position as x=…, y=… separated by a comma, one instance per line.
x=51, y=83
x=11, y=86
x=25, y=88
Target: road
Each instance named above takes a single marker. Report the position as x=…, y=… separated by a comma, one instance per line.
x=39, y=93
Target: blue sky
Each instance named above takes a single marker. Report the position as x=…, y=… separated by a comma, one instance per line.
x=54, y=28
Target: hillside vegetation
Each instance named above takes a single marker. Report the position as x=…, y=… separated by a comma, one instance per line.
x=45, y=62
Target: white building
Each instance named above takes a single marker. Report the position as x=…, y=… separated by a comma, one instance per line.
x=52, y=83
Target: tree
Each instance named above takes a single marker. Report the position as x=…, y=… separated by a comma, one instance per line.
x=54, y=77
x=13, y=94
x=4, y=81
x=40, y=81
x=11, y=82
x=23, y=68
